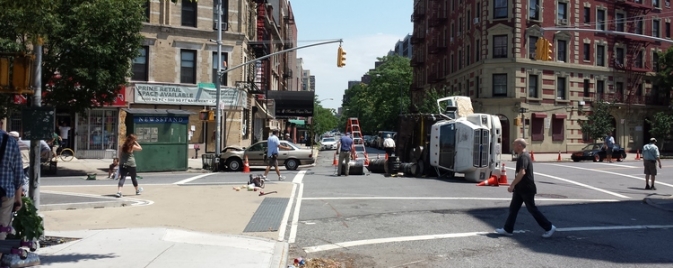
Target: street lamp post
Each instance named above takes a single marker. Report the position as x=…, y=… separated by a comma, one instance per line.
x=218, y=83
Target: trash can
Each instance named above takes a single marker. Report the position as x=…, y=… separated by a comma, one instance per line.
x=208, y=161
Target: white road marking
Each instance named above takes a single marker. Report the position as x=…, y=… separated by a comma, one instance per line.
x=193, y=178
x=452, y=198
x=580, y=184
x=100, y=185
x=618, y=165
x=615, y=173
x=138, y=202
x=286, y=215
x=298, y=180
x=467, y=234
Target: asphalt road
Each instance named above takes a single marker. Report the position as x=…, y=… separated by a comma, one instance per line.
x=373, y=221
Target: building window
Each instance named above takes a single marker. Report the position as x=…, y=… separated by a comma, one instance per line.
x=532, y=46
x=562, y=11
x=620, y=56
x=600, y=89
x=460, y=59
x=619, y=22
x=500, y=46
x=561, y=88
x=655, y=62
x=477, y=87
x=146, y=6
x=586, y=88
x=600, y=55
x=668, y=29
x=639, y=59
x=477, y=51
x=478, y=10
x=188, y=66
x=468, y=54
x=537, y=129
x=561, y=50
x=189, y=13
x=619, y=88
x=639, y=25
x=587, y=15
x=655, y=3
x=557, y=129
x=468, y=22
x=600, y=20
x=532, y=86
x=500, y=9
x=225, y=14
x=655, y=28
x=225, y=58
x=499, y=85
x=534, y=10
x=140, y=65
x=587, y=52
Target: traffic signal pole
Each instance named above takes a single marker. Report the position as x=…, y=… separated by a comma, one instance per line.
x=35, y=150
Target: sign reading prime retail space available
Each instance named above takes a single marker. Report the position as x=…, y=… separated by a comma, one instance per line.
x=202, y=95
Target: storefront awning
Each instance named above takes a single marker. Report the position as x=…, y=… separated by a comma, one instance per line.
x=539, y=115
x=205, y=94
x=260, y=112
x=299, y=123
x=292, y=103
x=560, y=116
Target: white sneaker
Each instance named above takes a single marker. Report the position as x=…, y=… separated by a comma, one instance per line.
x=549, y=233
x=281, y=178
x=119, y=194
x=501, y=231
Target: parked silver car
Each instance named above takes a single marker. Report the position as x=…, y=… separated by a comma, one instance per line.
x=233, y=156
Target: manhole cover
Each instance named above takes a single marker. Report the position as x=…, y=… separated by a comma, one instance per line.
x=552, y=196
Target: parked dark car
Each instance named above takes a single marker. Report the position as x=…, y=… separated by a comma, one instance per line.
x=596, y=153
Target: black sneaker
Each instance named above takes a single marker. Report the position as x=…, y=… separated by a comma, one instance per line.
x=653, y=188
x=647, y=186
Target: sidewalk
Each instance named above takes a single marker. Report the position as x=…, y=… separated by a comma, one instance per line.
x=161, y=248
x=205, y=226
x=82, y=167
x=565, y=157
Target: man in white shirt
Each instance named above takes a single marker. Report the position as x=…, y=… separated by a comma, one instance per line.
x=389, y=145
x=64, y=128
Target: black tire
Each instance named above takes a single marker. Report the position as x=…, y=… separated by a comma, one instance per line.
x=235, y=164
x=576, y=159
x=597, y=158
x=291, y=164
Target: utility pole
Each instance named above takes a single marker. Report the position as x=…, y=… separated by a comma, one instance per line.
x=523, y=120
x=34, y=183
x=218, y=84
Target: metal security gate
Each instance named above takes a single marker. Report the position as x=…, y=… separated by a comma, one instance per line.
x=97, y=134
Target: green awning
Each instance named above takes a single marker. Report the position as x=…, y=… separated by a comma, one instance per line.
x=297, y=122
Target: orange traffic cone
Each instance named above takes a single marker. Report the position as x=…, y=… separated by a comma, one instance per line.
x=492, y=181
x=366, y=160
x=246, y=165
x=335, y=162
x=559, y=157
x=532, y=156
x=637, y=154
x=503, y=175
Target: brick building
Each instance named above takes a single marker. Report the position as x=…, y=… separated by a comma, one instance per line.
x=486, y=50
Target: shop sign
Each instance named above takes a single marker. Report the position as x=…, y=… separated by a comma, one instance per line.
x=161, y=119
x=202, y=95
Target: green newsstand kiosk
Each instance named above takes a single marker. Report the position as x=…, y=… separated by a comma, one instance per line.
x=163, y=135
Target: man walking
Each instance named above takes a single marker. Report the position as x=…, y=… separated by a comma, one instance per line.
x=523, y=191
x=346, y=148
x=650, y=159
x=272, y=144
x=11, y=179
x=389, y=145
x=608, y=145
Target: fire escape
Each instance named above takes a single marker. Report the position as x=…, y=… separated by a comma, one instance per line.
x=628, y=59
x=437, y=46
x=262, y=47
x=419, y=51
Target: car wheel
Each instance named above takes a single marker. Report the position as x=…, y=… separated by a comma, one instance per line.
x=291, y=164
x=576, y=159
x=597, y=158
x=234, y=164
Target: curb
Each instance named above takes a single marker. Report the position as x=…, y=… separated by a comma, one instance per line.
x=649, y=201
x=279, y=257
x=87, y=205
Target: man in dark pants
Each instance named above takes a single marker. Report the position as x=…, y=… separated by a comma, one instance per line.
x=523, y=191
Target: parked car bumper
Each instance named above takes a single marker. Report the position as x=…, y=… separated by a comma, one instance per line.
x=307, y=161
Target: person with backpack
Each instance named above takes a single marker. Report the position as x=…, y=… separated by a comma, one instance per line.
x=11, y=180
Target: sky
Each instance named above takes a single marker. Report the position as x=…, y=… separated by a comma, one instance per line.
x=369, y=29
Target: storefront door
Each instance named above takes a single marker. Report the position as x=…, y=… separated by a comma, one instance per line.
x=96, y=134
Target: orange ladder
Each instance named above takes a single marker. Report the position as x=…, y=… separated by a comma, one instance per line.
x=353, y=126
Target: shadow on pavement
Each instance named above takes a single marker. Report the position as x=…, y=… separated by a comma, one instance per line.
x=64, y=258
x=583, y=231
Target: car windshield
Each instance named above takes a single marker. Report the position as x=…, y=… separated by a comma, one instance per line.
x=328, y=140
x=291, y=144
x=592, y=146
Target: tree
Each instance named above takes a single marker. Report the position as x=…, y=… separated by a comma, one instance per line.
x=323, y=119
x=89, y=43
x=388, y=92
x=661, y=123
x=664, y=79
x=599, y=122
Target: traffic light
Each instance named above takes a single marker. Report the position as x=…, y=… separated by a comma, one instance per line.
x=207, y=115
x=22, y=72
x=539, y=49
x=341, y=57
x=550, y=52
